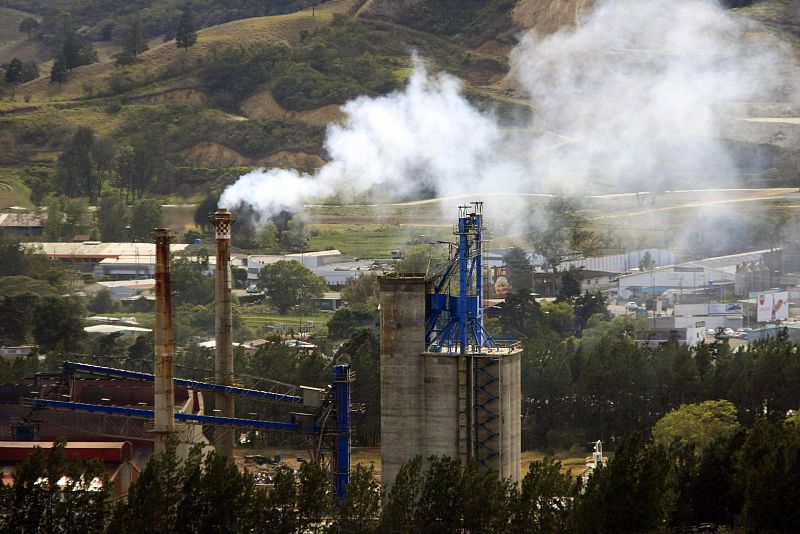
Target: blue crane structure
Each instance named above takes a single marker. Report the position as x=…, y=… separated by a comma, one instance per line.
x=337, y=401
x=454, y=322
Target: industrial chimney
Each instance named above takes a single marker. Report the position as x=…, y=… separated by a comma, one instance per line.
x=224, y=438
x=164, y=424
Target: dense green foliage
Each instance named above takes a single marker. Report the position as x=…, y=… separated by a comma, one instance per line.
x=747, y=479
x=157, y=17
x=697, y=424
x=36, y=503
x=473, y=21
x=289, y=283
x=329, y=66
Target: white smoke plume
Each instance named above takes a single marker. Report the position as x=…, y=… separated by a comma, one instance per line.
x=427, y=137
x=643, y=90
x=632, y=98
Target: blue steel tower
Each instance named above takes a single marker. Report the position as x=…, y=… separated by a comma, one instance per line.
x=454, y=323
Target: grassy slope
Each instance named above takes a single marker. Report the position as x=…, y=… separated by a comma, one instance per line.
x=9, y=25
x=163, y=66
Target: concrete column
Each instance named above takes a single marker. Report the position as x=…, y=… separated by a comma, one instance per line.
x=164, y=424
x=402, y=372
x=224, y=438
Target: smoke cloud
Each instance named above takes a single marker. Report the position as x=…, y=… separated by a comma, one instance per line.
x=426, y=138
x=642, y=90
x=637, y=96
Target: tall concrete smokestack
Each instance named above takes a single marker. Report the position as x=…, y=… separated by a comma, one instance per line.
x=222, y=219
x=164, y=424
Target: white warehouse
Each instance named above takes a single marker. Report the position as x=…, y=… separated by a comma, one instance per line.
x=639, y=285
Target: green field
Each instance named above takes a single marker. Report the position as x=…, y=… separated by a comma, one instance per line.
x=257, y=321
x=373, y=240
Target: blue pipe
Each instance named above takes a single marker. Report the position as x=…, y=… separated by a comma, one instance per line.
x=150, y=414
x=341, y=392
x=182, y=382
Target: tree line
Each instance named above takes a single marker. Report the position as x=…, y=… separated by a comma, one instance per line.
x=745, y=482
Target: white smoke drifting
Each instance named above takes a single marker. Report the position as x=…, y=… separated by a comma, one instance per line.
x=643, y=88
x=631, y=98
x=426, y=138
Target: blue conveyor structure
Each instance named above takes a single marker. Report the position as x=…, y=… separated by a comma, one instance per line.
x=182, y=382
x=339, y=401
x=150, y=414
x=342, y=377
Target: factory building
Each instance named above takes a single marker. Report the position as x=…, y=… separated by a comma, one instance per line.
x=446, y=387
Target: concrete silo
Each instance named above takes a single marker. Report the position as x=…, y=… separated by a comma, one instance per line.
x=447, y=388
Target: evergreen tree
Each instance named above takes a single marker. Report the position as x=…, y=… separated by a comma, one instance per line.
x=112, y=218
x=58, y=72
x=30, y=71
x=53, y=226
x=28, y=25
x=294, y=238
x=71, y=50
x=146, y=215
x=74, y=169
x=124, y=58
x=519, y=270
x=401, y=506
x=545, y=498
x=58, y=324
x=14, y=74
x=135, y=42
x=312, y=499
x=359, y=511
x=185, y=34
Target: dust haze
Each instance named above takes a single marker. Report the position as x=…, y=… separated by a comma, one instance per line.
x=632, y=99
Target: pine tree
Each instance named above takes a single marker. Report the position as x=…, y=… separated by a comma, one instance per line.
x=14, y=74
x=30, y=71
x=58, y=73
x=29, y=26
x=185, y=35
x=135, y=42
x=71, y=51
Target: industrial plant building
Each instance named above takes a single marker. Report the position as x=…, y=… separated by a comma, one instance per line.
x=447, y=388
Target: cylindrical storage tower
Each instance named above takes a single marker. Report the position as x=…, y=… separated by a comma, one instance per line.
x=402, y=302
x=440, y=423
x=506, y=398
x=224, y=438
x=164, y=386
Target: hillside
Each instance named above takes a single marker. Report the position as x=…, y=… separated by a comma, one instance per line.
x=260, y=91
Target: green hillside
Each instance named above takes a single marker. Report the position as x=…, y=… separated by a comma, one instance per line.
x=253, y=91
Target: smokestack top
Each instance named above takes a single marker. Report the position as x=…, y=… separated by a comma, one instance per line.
x=222, y=219
x=162, y=235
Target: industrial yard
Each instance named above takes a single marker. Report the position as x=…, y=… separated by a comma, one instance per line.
x=399, y=266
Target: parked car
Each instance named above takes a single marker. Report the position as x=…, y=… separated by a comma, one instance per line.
x=252, y=289
x=631, y=306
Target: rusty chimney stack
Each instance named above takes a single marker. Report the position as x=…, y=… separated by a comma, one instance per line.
x=164, y=424
x=224, y=439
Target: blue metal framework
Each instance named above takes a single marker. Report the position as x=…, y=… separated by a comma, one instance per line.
x=454, y=323
x=150, y=414
x=182, y=382
x=342, y=377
